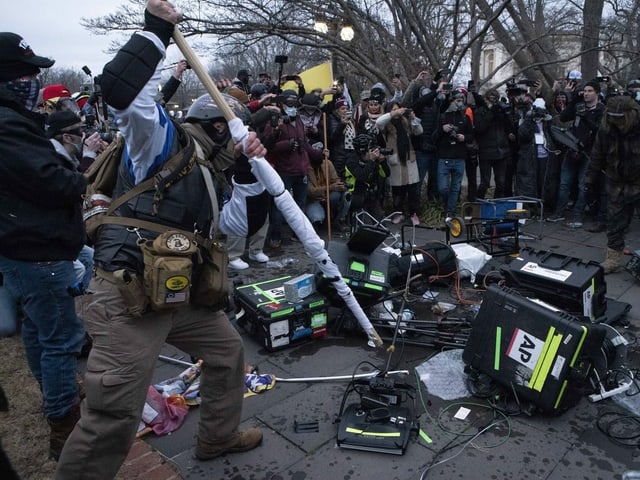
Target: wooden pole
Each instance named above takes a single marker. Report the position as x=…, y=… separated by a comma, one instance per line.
x=203, y=76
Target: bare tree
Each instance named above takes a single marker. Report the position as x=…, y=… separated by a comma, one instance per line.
x=402, y=36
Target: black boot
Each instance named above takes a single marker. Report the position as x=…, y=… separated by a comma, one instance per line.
x=61, y=428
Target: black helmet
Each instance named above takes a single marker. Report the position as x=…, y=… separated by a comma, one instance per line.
x=206, y=109
x=258, y=89
x=363, y=142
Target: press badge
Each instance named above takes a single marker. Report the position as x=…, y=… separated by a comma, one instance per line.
x=539, y=139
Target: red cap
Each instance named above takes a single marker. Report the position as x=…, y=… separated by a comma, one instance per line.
x=54, y=92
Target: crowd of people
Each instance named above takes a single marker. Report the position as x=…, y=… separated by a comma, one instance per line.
x=432, y=134
x=577, y=151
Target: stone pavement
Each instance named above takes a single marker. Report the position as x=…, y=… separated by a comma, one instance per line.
x=568, y=446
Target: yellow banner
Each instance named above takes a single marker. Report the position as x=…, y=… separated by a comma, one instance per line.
x=314, y=77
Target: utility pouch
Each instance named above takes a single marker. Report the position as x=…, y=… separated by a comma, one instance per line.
x=131, y=288
x=168, y=266
x=212, y=285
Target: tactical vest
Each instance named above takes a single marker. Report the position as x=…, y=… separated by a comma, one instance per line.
x=184, y=205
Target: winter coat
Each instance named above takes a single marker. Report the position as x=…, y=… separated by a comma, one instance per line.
x=447, y=146
x=618, y=156
x=492, y=129
x=402, y=173
x=291, y=151
x=317, y=185
x=40, y=195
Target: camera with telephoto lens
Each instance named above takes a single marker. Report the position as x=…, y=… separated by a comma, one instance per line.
x=538, y=114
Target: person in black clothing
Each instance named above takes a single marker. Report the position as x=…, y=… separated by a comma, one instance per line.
x=451, y=138
x=536, y=152
x=493, y=128
x=41, y=234
x=426, y=102
x=585, y=110
x=520, y=103
x=366, y=166
x=340, y=134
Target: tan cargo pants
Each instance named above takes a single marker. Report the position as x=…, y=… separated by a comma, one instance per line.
x=119, y=372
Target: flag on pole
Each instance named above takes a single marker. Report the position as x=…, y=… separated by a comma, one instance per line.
x=314, y=77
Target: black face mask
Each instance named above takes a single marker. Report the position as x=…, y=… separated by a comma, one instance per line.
x=219, y=138
x=26, y=90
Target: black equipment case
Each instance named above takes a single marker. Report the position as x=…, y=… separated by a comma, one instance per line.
x=274, y=321
x=572, y=284
x=543, y=355
x=367, y=274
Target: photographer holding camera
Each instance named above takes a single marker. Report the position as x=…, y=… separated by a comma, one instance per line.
x=495, y=133
x=585, y=111
x=365, y=170
x=451, y=138
x=536, y=152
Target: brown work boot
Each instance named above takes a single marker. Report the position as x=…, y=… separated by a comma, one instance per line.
x=61, y=428
x=241, y=442
x=612, y=262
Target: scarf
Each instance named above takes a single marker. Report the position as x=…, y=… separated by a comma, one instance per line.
x=349, y=135
x=26, y=91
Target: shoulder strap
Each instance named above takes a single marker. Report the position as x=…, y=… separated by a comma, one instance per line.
x=208, y=181
x=175, y=168
x=158, y=227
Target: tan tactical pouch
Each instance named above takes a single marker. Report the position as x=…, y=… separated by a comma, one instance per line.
x=212, y=286
x=168, y=266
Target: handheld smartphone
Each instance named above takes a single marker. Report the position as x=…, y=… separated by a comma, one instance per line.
x=281, y=59
x=291, y=78
x=470, y=84
x=447, y=86
x=603, y=79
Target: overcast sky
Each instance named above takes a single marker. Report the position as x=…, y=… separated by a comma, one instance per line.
x=53, y=29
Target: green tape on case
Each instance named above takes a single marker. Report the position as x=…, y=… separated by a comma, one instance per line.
x=425, y=437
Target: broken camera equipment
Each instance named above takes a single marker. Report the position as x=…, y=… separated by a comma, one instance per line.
x=383, y=419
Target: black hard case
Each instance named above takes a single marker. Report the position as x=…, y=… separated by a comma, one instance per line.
x=541, y=354
x=274, y=321
x=572, y=284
